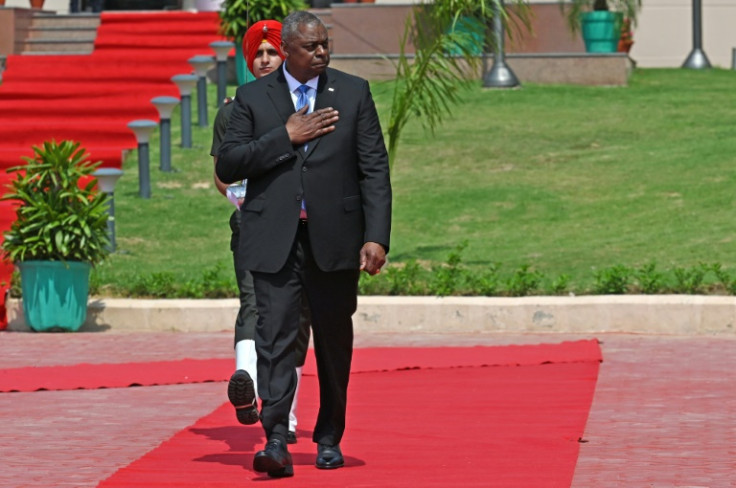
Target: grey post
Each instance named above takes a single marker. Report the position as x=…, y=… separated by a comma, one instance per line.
x=222, y=50
x=500, y=75
x=697, y=58
x=106, y=179
x=185, y=83
x=165, y=106
x=201, y=64
x=143, y=129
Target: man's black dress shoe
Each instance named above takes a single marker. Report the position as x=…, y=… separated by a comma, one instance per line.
x=291, y=437
x=274, y=460
x=329, y=457
x=242, y=394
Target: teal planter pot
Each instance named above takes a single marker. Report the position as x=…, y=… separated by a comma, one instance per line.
x=601, y=31
x=241, y=69
x=54, y=294
x=474, y=29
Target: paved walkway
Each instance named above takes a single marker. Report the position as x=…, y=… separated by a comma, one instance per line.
x=662, y=414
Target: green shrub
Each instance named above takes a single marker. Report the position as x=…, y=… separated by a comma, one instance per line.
x=689, y=280
x=523, y=281
x=613, y=280
x=61, y=215
x=650, y=280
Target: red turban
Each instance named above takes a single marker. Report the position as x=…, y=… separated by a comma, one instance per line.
x=264, y=30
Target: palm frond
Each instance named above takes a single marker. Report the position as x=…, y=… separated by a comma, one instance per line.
x=449, y=38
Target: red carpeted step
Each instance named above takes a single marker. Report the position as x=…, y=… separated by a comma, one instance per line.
x=99, y=132
x=155, y=56
x=176, y=41
x=162, y=19
x=91, y=98
x=73, y=92
x=12, y=156
x=145, y=71
x=111, y=157
x=17, y=63
x=127, y=107
x=110, y=59
x=162, y=22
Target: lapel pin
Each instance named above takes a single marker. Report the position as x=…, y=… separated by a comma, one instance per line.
x=330, y=89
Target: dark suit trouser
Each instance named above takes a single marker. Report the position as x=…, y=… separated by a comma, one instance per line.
x=245, y=322
x=332, y=299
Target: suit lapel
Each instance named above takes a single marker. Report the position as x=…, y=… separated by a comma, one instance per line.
x=278, y=91
x=325, y=98
x=325, y=91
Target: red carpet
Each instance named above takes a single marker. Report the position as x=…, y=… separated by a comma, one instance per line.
x=92, y=98
x=91, y=376
x=430, y=426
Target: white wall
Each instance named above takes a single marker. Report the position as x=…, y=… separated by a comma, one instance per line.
x=664, y=36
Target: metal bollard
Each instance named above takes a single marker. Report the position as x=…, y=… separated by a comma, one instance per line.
x=222, y=50
x=201, y=64
x=185, y=83
x=697, y=59
x=106, y=179
x=143, y=129
x=500, y=75
x=165, y=106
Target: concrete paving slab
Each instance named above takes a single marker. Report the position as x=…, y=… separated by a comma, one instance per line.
x=661, y=415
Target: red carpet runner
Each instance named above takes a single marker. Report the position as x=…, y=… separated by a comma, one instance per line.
x=90, y=376
x=111, y=375
x=417, y=417
x=92, y=98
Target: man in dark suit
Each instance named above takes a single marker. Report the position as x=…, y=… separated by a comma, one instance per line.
x=317, y=211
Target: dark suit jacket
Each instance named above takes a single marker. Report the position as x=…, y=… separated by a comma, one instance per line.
x=343, y=176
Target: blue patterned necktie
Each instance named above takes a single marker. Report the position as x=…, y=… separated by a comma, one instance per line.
x=301, y=101
x=302, y=98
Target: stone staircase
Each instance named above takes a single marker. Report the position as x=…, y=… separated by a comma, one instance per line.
x=48, y=33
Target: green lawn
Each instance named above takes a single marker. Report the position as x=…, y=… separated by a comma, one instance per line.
x=564, y=179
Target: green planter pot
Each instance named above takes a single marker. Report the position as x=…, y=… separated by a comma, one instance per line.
x=601, y=31
x=54, y=294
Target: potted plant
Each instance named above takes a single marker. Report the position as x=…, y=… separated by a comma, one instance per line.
x=60, y=231
x=627, y=36
x=237, y=15
x=600, y=21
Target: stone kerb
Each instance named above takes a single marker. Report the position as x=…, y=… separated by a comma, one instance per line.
x=670, y=314
x=650, y=314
